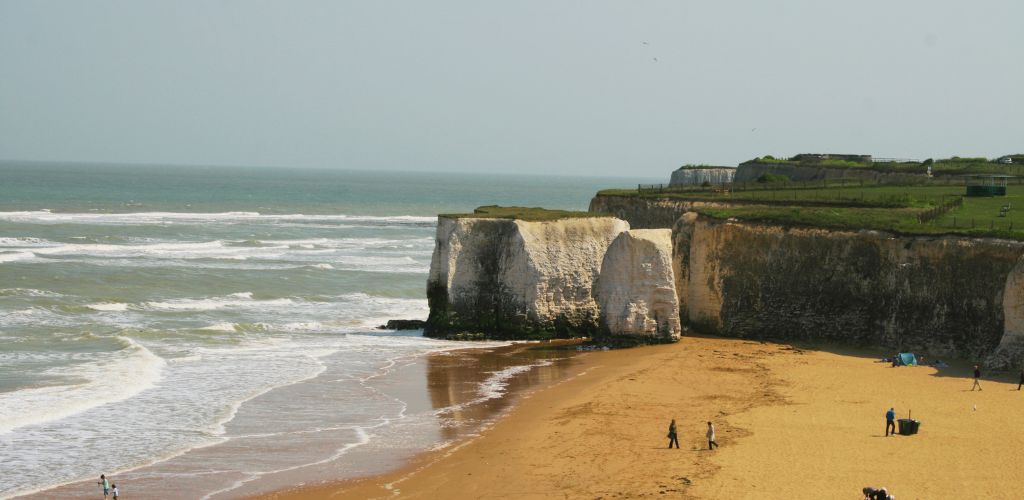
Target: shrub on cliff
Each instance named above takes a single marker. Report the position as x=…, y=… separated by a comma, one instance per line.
x=769, y=178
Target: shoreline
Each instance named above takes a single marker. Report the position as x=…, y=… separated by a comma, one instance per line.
x=444, y=395
x=450, y=472
x=789, y=419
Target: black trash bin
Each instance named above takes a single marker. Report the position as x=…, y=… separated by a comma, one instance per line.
x=908, y=426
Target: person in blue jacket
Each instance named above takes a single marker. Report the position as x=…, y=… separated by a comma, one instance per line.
x=890, y=421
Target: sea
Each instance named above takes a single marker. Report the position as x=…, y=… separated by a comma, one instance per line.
x=194, y=330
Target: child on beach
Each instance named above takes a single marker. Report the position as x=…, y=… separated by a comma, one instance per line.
x=105, y=485
x=712, y=444
x=672, y=436
x=114, y=491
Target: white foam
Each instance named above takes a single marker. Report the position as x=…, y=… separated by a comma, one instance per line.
x=322, y=266
x=495, y=386
x=28, y=292
x=233, y=301
x=113, y=378
x=15, y=256
x=220, y=327
x=23, y=241
x=108, y=306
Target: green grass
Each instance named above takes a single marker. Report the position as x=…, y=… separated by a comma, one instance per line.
x=533, y=214
x=880, y=207
x=691, y=166
x=946, y=166
x=834, y=193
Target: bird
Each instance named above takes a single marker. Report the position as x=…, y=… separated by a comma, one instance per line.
x=645, y=43
x=655, y=59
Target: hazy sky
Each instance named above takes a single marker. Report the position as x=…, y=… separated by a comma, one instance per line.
x=585, y=87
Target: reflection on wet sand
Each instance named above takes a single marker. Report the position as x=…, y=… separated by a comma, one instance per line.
x=470, y=387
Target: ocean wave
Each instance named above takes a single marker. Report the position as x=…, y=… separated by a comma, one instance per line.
x=323, y=266
x=494, y=386
x=22, y=241
x=28, y=292
x=115, y=377
x=108, y=306
x=144, y=218
x=283, y=254
x=15, y=256
x=214, y=303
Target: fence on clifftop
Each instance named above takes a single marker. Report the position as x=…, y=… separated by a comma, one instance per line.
x=934, y=213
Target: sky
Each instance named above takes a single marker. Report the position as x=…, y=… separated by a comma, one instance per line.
x=586, y=87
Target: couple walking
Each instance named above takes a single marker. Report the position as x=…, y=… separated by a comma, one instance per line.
x=673, y=437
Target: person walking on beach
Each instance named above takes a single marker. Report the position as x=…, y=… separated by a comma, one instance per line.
x=712, y=444
x=1021, y=379
x=105, y=485
x=977, y=375
x=890, y=421
x=113, y=490
x=672, y=436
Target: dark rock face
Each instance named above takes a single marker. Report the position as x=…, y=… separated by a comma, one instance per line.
x=932, y=295
x=403, y=324
x=645, y=213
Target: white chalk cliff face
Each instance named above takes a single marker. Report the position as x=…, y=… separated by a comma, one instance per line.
x=514, y=278
x=636, y=288
x=698, y=176
x=1010, y=352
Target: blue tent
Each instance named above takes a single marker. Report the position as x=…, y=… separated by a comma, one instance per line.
x=906, y=359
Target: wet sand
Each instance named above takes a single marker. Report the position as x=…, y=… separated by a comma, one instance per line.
x=445, y=396
x=791, y=421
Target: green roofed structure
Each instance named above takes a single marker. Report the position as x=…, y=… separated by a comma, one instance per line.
x=986, y=184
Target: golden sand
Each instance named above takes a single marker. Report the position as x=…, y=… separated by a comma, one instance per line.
x=791, y=423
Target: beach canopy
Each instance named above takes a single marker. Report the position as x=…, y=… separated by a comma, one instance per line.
x=906, y=359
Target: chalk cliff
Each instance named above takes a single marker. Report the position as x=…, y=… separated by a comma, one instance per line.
x=517, y=279
x=1010, y=351
x=636, y=288
x=938, y=295
x=691, y=176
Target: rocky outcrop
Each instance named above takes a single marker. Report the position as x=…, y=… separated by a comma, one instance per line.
x=937, y=295
x=690, y=176
x=636, y=288
x=403, y=324
x=517, y=279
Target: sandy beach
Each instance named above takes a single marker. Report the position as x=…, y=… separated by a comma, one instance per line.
x=790, y=421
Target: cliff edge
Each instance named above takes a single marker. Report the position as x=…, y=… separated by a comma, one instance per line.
x=636, y=289
x=513, y=278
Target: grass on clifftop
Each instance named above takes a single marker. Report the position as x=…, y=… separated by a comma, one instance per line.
x=879, y=207
x=534, y=214
x=846, y=194
x=944, y=166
